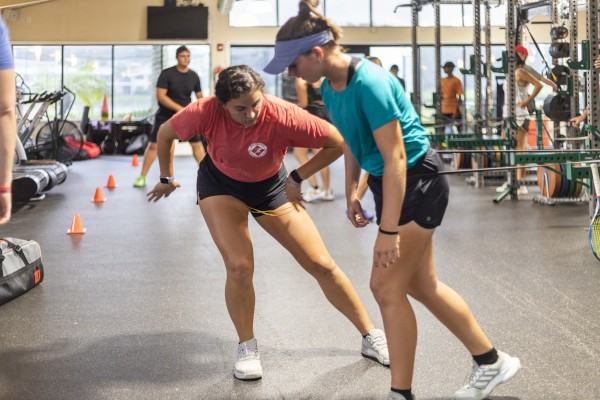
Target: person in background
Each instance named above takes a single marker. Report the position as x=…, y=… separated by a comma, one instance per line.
x=522, y=116
x=523, y=53
x=8, y=124
x=309, y=98
x=452, y=91
x=576, y=121
x=248, y=134
x=394, y=71
x=384, y=136
x=173, y=92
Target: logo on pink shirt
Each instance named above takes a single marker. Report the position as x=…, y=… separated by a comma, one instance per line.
x=257, y=150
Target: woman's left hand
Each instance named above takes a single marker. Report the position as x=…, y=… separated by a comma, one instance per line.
x=386, y=250
x=162, y=190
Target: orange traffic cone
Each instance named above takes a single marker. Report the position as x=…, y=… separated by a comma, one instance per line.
x=111, y=182
x=135, y=162
x=76, y=226
x=98, y=197
x=104, y=114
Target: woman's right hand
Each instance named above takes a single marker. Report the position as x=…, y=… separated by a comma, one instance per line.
x=293, y=191
x=162, y=190
x=576, y=121
x=355, y=213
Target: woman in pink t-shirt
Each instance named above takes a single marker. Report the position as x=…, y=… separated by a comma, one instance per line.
x=248, y=133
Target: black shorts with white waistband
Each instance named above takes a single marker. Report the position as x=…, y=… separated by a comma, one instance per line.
x=426, y=196
x=265, y=195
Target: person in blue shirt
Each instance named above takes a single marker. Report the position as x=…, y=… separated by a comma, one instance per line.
x=8, y=125
x=383, y=135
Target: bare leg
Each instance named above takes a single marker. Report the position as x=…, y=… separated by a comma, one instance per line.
x=325, y=178
x=149, y=157
x=362, y=185
x=227, y=220
x=447, y=306
x=414, y=274
x=298, y=234
x=521, y=145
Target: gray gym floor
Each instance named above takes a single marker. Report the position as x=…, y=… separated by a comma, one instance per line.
x=134, y=309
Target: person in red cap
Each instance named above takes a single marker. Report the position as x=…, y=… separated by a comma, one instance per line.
x=523, y=78
x=523, y=54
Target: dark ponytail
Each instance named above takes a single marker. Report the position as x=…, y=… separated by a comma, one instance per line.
x=308, y=22
x=237, y=81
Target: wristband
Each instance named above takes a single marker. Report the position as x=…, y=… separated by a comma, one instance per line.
x=294, y=175
x=5, y=189
x=387, y=232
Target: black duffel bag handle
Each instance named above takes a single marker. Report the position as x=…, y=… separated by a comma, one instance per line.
x=17, y=249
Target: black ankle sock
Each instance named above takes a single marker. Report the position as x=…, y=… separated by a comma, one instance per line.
x=487, y=358
x=407, y=393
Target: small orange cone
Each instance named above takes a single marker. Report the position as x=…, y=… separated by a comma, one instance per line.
x=104, y=112
x=135, y=162
x=98, y=197
x=111, y=182
x=76, y=226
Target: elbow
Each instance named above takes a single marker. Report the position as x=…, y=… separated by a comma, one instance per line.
x=339, y=152
x=7, y=109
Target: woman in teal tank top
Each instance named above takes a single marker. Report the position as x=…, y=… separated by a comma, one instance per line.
x=384, y=136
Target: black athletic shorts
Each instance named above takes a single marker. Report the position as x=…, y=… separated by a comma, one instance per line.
x=160, y=119
x=265, y=195
x=426, y=194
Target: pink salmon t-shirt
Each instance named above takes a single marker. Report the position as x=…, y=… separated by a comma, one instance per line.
x=256, y=153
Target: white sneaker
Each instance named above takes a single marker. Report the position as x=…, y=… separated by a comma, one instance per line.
x=314, y=195
x=328, y=195
x=502, y=188
x=485, y=378
x=397, y=396
x=522, y=190
x=247, y=366
x=374, y=346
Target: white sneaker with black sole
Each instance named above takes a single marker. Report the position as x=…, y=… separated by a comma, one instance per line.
x=374, y=346
x=247, y=366
x=397, y=396
x=485, y=378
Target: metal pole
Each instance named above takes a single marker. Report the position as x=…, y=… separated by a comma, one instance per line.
x=593, y=80
x=477, y=54
x=489, y=100
x=573, y=54
x=438, y=61
x=510, y=38
x=416, y=97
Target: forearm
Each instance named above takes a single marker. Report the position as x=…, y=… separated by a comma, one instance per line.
x=549, y=82
x=322, y=159
x=394, y=188
x=166, y=102
x=352, y=170
x=164, y=144
x=8, y=137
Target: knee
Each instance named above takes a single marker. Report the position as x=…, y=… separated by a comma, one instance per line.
x=322, y=268
x=386, y=293
x=240, y=271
